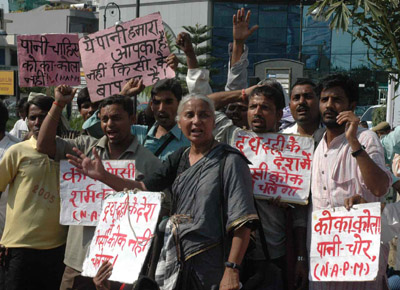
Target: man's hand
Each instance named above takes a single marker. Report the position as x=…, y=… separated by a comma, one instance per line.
x=355, y=199
x=241, y=29
x=132, y=88
x=352, y=122
x=172, y=61
x=101, y=278
x=92, y=168
x=301, y=275
x=184, y=42
x=64, y=94
x=230, y=280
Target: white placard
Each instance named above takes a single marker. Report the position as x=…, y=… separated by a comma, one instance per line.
x=123, y=235
x=81, y=196
x=345, y=244
x=281, y=164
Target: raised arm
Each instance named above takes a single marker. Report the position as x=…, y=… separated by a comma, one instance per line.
x=241, y=32
x=46, y=142
x=375, y=178
x=95, y=169
x=132, y=88
x=221, y=99
x=184, y=42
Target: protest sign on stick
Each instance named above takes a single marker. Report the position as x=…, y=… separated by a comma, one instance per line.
x=48, y=60
x=345, y=244
x=123, y=235
x=133, y=49
x=82, y=197
x=281, y=164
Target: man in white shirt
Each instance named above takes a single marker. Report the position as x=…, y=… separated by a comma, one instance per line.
x=304, y=106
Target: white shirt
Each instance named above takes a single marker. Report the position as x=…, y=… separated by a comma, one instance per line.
x=20, y=129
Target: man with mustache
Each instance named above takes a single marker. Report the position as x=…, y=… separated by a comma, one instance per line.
x=33, y=241
x=348, y=160
x=304, y=106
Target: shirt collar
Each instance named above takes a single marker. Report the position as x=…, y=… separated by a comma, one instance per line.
x=174, y=131
x=103, y=141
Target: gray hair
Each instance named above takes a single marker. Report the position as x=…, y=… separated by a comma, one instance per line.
x=191, y=97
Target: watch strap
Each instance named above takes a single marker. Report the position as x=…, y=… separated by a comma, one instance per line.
x=233, y=265
x=358, y=152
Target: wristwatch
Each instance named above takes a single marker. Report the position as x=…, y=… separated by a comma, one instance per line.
x=233, y=265
x=358, y=152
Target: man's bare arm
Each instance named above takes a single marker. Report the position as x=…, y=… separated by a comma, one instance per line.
x=46, y=142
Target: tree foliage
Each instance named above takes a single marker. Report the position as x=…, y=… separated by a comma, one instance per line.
x=379, y=115
x=378, y=24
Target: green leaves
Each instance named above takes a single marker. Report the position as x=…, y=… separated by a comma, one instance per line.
x=375, y=22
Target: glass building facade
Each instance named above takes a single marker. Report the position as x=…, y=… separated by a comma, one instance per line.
x=279, y=35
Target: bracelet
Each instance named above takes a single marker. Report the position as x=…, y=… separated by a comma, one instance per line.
x=58, y=104
x=233, y=265
x=51, y=116
x=358, y=152
x=243, y=96
x=301, y=259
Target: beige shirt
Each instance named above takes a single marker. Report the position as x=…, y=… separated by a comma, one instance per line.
x=33, y=205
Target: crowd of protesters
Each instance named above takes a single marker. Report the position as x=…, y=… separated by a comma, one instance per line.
x=183, y=145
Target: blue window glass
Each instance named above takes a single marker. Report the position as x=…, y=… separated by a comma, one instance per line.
x=340, y=62
x=341, y=42
x=272, y=16
x=316, y=41
x=310, y=22
x=272, y=40
x=360, y=61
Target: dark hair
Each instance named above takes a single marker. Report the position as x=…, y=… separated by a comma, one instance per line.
x=3, y=117
x=83, y=97
x=21, y=103
x=304, y=81
x=271, y=93
x=125, y=102
x=168, y=85
x=342, y=81
x=42, y=102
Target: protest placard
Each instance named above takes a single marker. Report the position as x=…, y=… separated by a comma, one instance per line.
x=345, y=244
x=48, y=60
x=133, y=49
x=123, y=235
x=82, y=197
x=281, y=164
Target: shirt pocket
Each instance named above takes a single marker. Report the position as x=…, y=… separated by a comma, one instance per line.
x=344, y=179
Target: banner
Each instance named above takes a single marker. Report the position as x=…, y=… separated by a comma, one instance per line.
x=48, y=60
x=7, y=83
x=82, y=197
x=134, y=49
x=281, y=164
x=345, y=244
x=123, y=235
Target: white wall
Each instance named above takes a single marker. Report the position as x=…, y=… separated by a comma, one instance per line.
x=174, y=13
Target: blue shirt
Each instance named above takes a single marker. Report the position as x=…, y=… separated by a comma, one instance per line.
x=148, y=139
x=391, y=145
